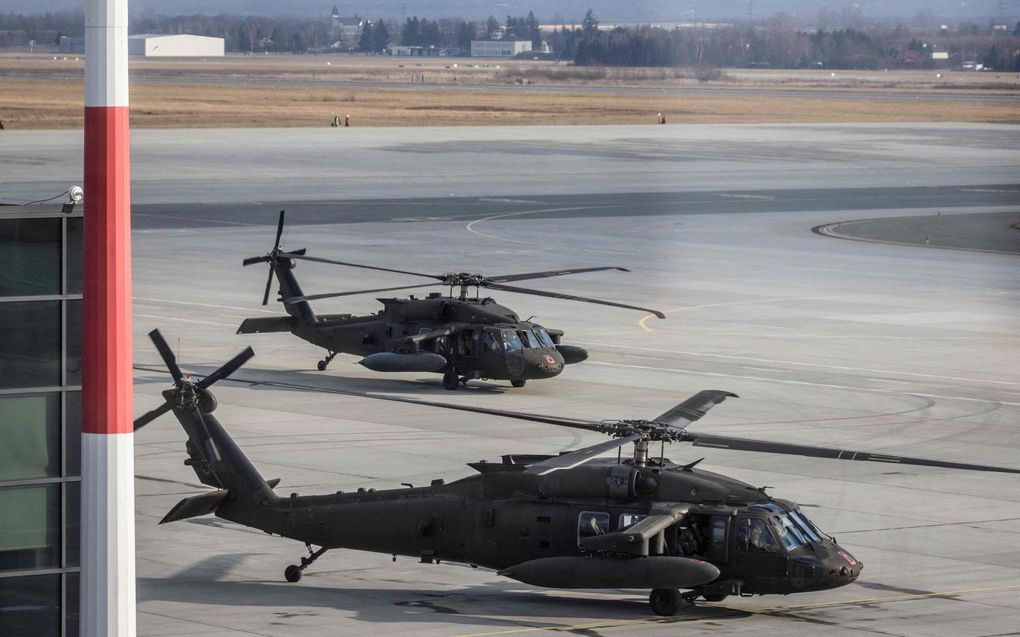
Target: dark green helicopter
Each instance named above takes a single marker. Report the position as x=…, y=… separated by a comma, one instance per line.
x=562, y=521
x=461, y=337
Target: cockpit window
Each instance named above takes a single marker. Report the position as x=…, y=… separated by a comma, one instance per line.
x=492, y=341
x=788, y=532
x=753, y=536
x=542, y=338
x=511, y=341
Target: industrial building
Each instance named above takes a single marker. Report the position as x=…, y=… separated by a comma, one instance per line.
x=158, y=45
x=40, y=419
x=498, y=48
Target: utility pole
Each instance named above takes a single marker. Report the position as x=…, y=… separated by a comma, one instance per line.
x=107, y=437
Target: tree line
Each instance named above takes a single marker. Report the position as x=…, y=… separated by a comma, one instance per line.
x=778, y=42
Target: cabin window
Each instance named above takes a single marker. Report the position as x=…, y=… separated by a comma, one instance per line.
x=630, y=519
x=753, y=536
x=591, y=523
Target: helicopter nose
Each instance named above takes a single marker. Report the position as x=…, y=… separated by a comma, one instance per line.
x=844, y=568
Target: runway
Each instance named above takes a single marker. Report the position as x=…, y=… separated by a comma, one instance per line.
x=899, y=349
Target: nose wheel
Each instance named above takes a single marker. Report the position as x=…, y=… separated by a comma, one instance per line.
x=326, y=361
x=293, y=572
x=518, y=383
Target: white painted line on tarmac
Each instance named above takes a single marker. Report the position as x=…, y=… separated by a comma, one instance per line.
x=804, y=383
x=224, y=307
x=782, y=362
x=182, y=320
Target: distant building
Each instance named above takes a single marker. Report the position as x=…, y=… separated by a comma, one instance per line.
x=74, y=46
x=422, y=51
x=345, y=32
x=498, y=48
x=157, y=45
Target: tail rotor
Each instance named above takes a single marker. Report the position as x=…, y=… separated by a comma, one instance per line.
x=186, y=394
x=273, y=257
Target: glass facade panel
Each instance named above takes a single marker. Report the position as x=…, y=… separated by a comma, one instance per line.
x=31, y=249
x=29, y=436
x=72, y=343
x=30, y=527
x=30, y=344
x=72, y=604
x=30, y=606
x=72, y=433
x=74, y=255
x=72, y=524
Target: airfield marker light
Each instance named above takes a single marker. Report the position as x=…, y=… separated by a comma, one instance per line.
x=107, y=503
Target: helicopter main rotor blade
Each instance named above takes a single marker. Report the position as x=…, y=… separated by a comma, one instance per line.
x=279, y=231
x=226, y=369
x=579, y=457
x=148, y=417
x=167, y=354
x=763, y=446
x=549, y=273
x=329, y=295
x=293, y=255
x=693, y=408
x=571, y=297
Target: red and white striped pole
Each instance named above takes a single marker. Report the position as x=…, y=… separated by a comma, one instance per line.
x=108, y=520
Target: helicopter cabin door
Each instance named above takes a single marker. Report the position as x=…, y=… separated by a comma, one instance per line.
x=466, y=344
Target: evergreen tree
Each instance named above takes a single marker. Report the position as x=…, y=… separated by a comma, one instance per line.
x=590, y=24
x=367, y=39
x=491, y=26
x=380, y=37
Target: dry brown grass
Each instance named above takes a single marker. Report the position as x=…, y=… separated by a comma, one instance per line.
x=43, y=93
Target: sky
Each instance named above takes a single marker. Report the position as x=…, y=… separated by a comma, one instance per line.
x=554, y=10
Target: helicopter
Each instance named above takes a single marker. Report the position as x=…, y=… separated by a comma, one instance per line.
x=575, y=520
x=461, y=337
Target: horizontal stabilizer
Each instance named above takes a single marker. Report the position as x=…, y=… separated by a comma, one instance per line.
x=268, y=324
x=195, y=506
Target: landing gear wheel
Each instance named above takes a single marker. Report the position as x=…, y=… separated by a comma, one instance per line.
x=716, y=597
x=518, y=383
x=292, y=573
x=666, y=602
x=451, y=380
x=326, y=361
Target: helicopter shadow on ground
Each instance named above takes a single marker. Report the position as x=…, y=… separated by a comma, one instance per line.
x=496, y=605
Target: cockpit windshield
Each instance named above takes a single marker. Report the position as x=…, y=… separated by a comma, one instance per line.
x=542, y=337
x=536, y=338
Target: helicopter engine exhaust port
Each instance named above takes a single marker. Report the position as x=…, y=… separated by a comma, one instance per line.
x=572, y=354
x=612, y=572
x=392, y=362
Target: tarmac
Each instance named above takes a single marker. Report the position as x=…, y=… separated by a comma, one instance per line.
x=884, y=347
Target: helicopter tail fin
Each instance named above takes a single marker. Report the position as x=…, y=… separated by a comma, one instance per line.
x=218, y=462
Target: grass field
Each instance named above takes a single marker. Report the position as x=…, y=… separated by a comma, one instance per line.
x=43, y=92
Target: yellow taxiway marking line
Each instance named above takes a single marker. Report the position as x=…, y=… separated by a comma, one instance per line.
x=761, y=611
